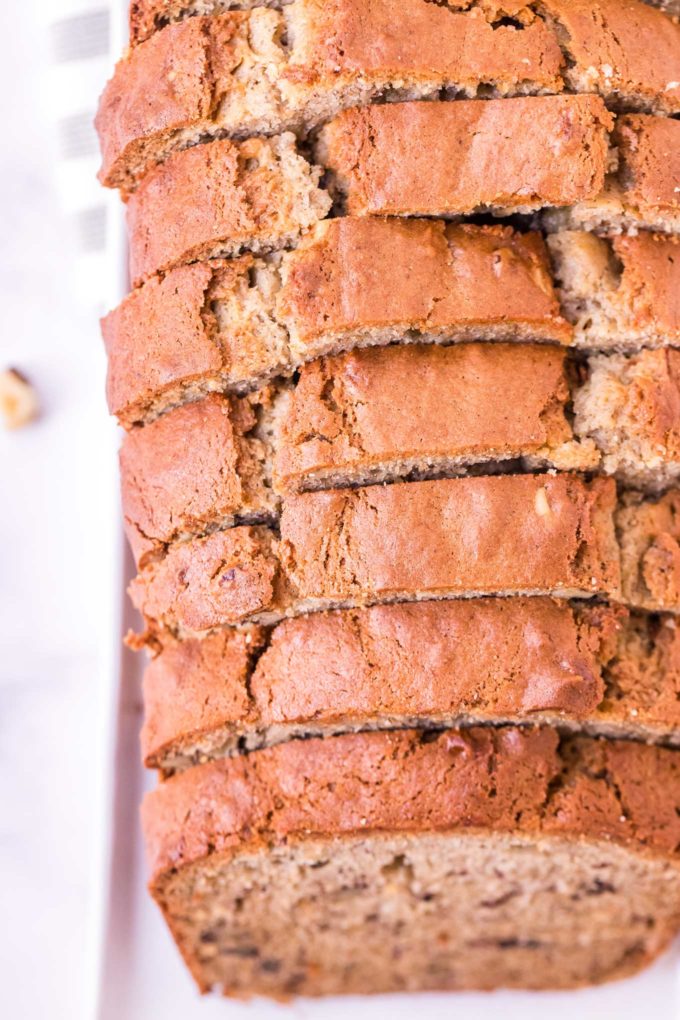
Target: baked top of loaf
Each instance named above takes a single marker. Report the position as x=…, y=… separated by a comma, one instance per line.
x=440, y=172
x=222, y=461
x=352, y=282
x=230, y=325
x=148, y=16
x=538, y=660
x=411, y=781
x=504, y=534
x=220, y=199
x=262, y=71
x=442, y=829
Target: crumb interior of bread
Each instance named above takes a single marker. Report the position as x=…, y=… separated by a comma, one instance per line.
x=607, y=410
x=405, y=912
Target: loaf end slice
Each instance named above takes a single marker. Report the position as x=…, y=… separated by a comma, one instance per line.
x=406, y=858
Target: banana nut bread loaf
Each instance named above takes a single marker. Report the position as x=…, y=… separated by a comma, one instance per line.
x=401, y=482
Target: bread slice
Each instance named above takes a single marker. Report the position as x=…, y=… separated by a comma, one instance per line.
x=267, y=72
x=199, y=468
x=352, y=282
x=220, y=199
x=467, y=404
x=461, y=158
x=222, y=461
x=649, y=536
x=630, y=407
x=407, y=858
x=476, y=408
x=450, y=538
x=643, y=193
x=577, y=666
x=620, y=292
x=262, y=71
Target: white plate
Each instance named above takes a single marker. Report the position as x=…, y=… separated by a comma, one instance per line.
x=139, y=972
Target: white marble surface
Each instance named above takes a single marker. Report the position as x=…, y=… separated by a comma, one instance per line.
x=57, y=488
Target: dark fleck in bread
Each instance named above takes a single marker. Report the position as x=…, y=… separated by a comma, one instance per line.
x=407, y=858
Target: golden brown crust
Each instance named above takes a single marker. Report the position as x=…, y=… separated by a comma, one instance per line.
x=160, y=88
x=441, y=172
x=495, y=657
x=595, y=668
x=502, y=780
x=506, y=534
x=194, y=687
x=231, y=73
x=220, y=199
x=226, y=578
x=609, y=42
x=352, y=281
x=649, y=150
x=196, y=468
x=354, y=274
x=472, y=403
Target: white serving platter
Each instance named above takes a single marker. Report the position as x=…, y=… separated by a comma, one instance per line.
x=138, y=971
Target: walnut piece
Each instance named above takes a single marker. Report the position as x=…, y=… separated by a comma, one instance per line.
x=18, y=400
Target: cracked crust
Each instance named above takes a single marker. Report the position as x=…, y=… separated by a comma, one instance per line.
x=261, y=71
x=643, y=193
x=220, y=199
x=230, y=325
x=149, y=16
x=460, y=158
x=504, y=534
x=473, y=403
x=341, y=827
x=223, y=461
x=538, y=660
